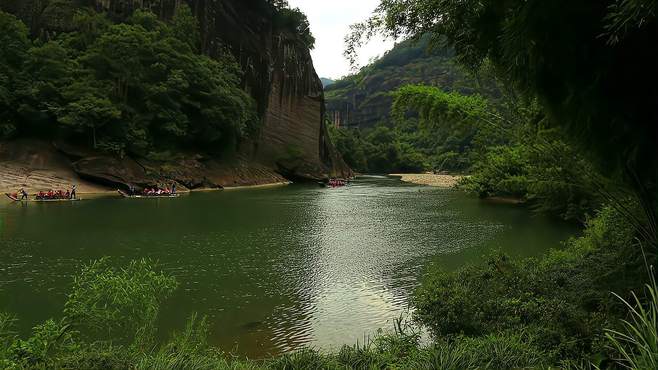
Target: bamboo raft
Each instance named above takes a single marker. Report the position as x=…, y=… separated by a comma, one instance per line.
x=139, y=196
x=15, y=199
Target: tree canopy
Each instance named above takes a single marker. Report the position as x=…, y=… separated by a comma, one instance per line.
x=132, y=87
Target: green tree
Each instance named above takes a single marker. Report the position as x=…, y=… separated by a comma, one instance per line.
x=14, y=45
x=47, y=72
x=351, y=146
x=88, y=110
x=293, y=20
x=185, y=27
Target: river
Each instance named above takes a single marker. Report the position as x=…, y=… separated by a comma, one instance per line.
x=273, y=269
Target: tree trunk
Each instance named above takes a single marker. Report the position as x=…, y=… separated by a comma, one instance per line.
x=93, y=134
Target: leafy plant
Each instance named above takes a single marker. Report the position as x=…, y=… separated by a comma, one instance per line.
x=118, y=304
x=45, y=348
x=637, y=341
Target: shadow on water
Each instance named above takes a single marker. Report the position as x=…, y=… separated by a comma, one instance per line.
x=274, y=269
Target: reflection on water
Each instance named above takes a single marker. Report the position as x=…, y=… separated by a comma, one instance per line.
x=274, y=269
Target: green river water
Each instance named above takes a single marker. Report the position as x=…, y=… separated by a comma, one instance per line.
x=273, y=269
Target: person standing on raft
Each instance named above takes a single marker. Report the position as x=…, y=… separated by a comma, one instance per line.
x=23, y=193
x=73, y=195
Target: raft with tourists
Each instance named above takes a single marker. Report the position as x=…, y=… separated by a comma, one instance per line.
x=334, y=183
x=150, y=193
x=44, y=196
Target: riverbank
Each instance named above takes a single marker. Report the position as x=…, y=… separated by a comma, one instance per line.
x=37, y=165
x=430, y=179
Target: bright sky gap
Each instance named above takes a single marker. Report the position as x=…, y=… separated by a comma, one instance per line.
x=330, y=21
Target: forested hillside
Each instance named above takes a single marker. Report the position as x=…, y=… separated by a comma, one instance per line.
x=363, y=100
x=326, y=81
x=157, y=82
x=371, y=140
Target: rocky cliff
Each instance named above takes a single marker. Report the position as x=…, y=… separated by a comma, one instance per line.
x=278, y=73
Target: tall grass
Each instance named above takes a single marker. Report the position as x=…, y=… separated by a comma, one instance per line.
x=637, y=340
x=7, y=336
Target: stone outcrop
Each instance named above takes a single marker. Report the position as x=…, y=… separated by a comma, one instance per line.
x=40, y=165
x=189, y=173
x=37, y=165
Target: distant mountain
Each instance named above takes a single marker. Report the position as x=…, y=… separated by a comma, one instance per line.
x=327, y=82
x=363, y=100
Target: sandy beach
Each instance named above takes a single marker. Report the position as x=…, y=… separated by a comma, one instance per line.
x=430, y=179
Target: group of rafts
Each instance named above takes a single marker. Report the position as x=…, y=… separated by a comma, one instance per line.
x=70, y=195
x=153, y=192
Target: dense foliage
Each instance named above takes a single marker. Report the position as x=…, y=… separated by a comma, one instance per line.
x=590, y=71
x=505, y=148
x=133, y=87
x=561, y=302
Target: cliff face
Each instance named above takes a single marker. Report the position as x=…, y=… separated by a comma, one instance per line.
x=278, y=73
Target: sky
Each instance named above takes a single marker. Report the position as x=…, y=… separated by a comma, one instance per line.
x=330, y=21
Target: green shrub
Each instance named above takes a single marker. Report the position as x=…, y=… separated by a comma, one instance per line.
x=503, y=172
x=560, y=300
x=118, y=304
x=542, y=170
x=45, y=348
